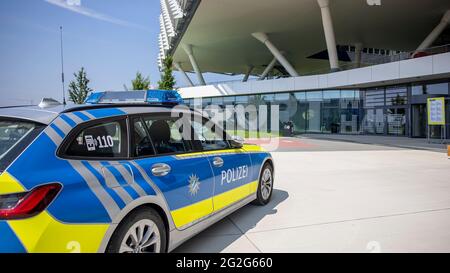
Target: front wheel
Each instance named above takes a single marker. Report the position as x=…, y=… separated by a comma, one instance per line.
x=141, y=232
x=265, y=186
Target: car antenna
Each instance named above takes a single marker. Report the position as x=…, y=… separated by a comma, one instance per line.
x=62, y=66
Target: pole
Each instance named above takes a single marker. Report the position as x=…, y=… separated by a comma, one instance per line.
x=62, y=67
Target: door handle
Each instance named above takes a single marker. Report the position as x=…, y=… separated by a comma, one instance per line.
x=217, y=162
x=161, y=169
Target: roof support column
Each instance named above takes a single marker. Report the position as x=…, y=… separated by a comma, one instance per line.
x=247, y=74
x=358, y=54
x=330, y=38
x=185, y=76
x=190, y=53
x=436, y=32
x=268, y=69
x=262, y=37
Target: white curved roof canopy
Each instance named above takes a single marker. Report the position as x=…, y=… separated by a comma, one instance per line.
x=220, y=31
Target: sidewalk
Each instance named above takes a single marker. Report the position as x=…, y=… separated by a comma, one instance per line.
x=401, y=142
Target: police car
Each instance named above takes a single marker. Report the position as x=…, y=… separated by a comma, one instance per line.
x=117, y=175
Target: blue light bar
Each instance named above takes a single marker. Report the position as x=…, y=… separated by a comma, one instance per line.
x=154, y=97
x=94, y=97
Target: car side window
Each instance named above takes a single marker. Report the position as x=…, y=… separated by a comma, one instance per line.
x=142, y=145
x=209, y=139
x=165, y=135
x=105, y=140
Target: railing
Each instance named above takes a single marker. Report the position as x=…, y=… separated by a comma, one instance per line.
x=370, y=60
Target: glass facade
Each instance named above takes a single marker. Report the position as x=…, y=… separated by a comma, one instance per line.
x=392, y=110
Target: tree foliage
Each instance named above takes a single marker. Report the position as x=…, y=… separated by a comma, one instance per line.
x=140, y=83
x=167, y=81
x=78, y=88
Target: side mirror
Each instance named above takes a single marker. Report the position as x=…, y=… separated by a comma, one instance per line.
x=237, y=142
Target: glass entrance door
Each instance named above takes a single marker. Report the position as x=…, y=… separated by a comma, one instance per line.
x=419, y=120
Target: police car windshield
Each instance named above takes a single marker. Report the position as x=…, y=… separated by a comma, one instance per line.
x=15, y=135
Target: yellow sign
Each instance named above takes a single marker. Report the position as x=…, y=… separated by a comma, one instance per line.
x=436, y=111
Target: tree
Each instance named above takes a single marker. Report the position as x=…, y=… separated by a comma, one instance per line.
x=78, y=88
x=140, y=83
x=167, y=81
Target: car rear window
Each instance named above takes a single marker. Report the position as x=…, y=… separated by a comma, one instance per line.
x=15, y=136
x=104, y=140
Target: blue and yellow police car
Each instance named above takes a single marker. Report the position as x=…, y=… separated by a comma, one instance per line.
x=117, y=175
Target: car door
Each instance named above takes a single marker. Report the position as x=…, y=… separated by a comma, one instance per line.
x=231, y=166
x=185, y=180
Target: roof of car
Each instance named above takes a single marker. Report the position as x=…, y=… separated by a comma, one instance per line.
x=48, y=114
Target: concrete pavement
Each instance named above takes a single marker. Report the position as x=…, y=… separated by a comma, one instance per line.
x=356, y=199
x=387, y=141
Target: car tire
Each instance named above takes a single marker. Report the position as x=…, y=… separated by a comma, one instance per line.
x=143, y=231
x=265, y=186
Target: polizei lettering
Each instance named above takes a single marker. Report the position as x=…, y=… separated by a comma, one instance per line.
x=234, y=174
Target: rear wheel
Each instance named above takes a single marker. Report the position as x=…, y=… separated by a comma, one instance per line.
x=143, y=231
x=265, y=186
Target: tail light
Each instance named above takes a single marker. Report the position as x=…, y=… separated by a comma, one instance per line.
x=28, y=204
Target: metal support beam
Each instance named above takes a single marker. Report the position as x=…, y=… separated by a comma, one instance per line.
x=198, y=72
x=185, y=76
x=330, y=38
x=263, y=38
x=247, y=74
x=431, y=38
x=268, y=69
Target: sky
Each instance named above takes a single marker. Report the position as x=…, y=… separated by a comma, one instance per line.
x=111, y=39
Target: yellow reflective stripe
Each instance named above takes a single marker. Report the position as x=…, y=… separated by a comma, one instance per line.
x=227, y=198
x=248, y=148
x=191, y=213
x=44, y=234
x=8, y=184
x=253, y=187
x=253, y=148
x=229, y=151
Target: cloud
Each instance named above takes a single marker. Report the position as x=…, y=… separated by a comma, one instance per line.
x=75, y=6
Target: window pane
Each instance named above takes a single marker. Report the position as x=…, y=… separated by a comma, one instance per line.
x=103, y=140
x=229, y=100
x=141, y=141
x=347, y=94
x=206, y=102
x=282, y=97
x=209, y=139
x=437, y=89
x=11, y=133
x=15, y=136
x=165, y=135
x=418, y=90
x=269, y=97
x=314, y=96
x=396, y=96
x=374, y=97
x=396, y=121
x=430, y=89
x=300, y=96
x=313, y=117
x=242, y=99
x=331, y=94
x=217, y=101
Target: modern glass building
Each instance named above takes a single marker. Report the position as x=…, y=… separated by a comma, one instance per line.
x=332, y=66
x=398, y=110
